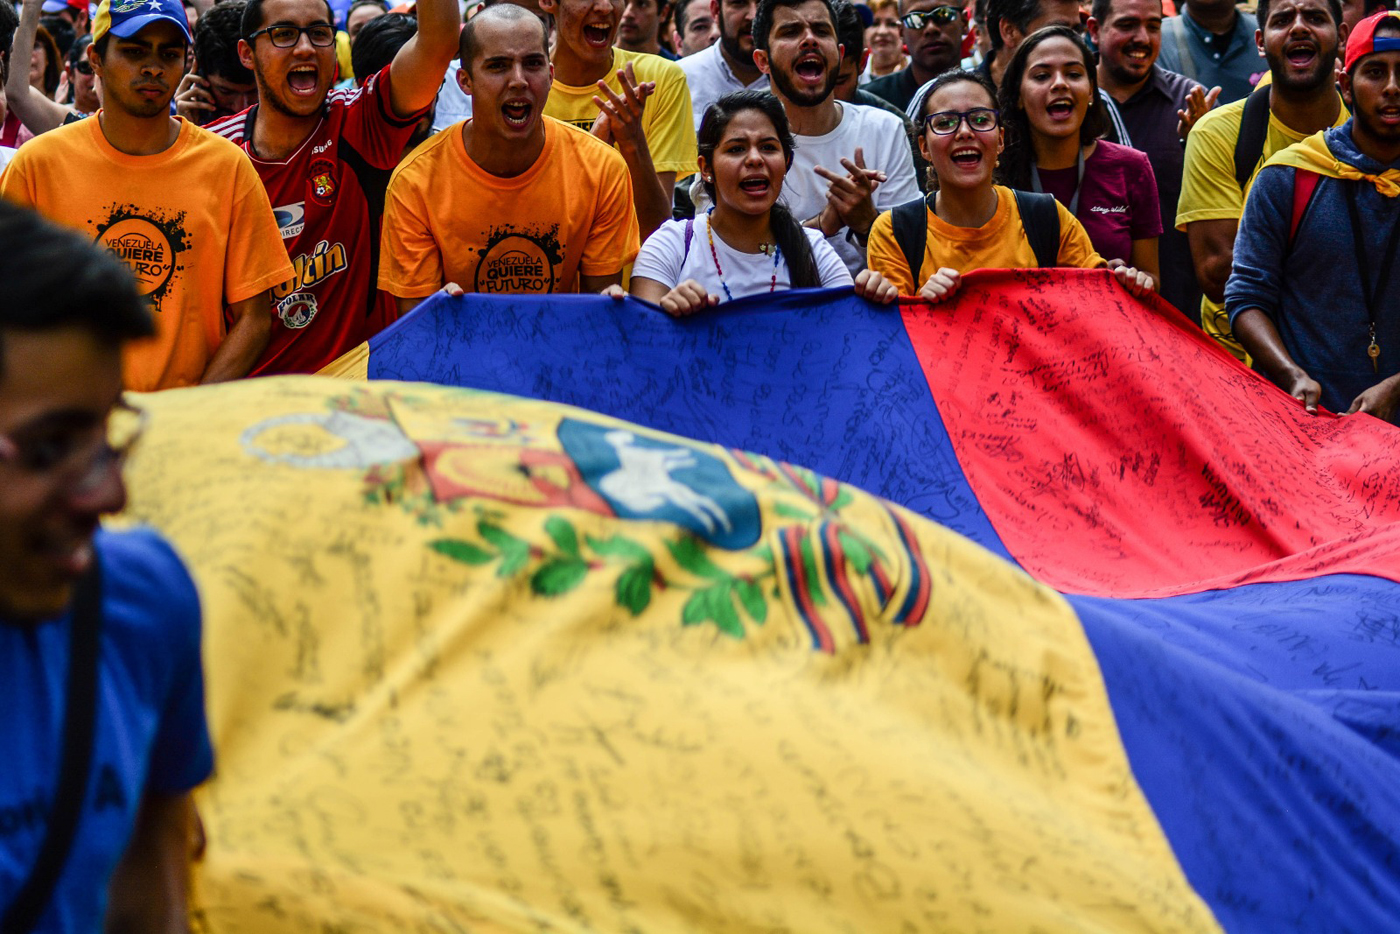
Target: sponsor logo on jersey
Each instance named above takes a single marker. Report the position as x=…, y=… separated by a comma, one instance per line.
x=321, y=182
x=291, y=219
x=321, y=148
x=518, y=262
x=148, y=244
x=293, y=300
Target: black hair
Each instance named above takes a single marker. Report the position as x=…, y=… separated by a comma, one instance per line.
x=763, y=19
x=1333, y=6
x=9, y=22
x=850, y=30
x=78, y=51
x=678, y=15
x=953, y=77
x=60, y=30
x=1016, y=158
x=377, y=4
x=216, y=35
x=468, y=47
x=1019, y=13
x=253, y=17
x=787, y=232
x=378, y=42
x=56, y=278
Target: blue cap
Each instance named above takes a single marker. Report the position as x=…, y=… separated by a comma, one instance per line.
x=125, y=18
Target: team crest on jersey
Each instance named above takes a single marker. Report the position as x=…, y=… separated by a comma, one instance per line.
x=519, y=261
x=322, y=182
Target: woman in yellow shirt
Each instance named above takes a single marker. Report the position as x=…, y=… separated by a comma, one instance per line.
x=972, y=223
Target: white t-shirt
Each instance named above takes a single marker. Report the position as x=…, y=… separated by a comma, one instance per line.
x=664, y=259
x=881, y=136
x=453, y=104
x=710, y=78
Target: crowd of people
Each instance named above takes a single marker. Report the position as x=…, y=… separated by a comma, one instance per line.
x=672, y=150
x=269, y=183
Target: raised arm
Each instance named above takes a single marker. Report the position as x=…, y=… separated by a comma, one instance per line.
x=419, y=67
x=34, y=110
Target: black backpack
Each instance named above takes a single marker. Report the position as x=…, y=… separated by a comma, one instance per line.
x=1039, y=216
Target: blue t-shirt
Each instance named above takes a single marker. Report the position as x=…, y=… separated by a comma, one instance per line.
x=150, y=733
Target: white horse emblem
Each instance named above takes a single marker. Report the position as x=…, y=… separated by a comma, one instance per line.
x=643, y=483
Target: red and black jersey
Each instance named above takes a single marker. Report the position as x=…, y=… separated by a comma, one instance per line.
x=328, y=198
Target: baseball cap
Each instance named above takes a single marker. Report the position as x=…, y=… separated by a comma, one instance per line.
x=125, y=18
x=1363, y=40
x=58, y=6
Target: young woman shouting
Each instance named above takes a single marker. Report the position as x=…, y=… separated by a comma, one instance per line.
x=971, y=222
x=748, y=243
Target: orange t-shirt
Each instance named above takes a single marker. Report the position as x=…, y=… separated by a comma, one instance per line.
x=448, y=220
x=193, y=223
x=998, y=244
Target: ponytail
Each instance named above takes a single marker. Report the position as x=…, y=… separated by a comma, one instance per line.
x=791, y=238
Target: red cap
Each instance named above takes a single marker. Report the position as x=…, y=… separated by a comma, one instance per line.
x=1363, y=40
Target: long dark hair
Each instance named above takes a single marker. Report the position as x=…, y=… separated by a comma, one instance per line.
x=790, y=237
x=1016, y=159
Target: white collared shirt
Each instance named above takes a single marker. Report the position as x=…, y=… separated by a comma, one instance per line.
x=710, y=78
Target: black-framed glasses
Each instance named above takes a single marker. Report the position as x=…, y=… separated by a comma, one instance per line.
x=83, y=68
x=939, y=16
x=284, y=36
x=946, y=122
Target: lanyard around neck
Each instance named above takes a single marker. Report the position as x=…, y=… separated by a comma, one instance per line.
x=1078, y=183
x=1370, y=289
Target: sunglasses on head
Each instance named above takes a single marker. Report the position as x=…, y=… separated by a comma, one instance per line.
x=939, y=15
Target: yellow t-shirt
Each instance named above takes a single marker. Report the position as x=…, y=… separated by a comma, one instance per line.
x=669, y=123
x=448, y=220
x=193, y=223
x=998, y=244
x=1209, y=190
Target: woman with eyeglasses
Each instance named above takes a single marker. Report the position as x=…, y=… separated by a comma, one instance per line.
x=748, y=243
x=971, y=222
x=1054, y=117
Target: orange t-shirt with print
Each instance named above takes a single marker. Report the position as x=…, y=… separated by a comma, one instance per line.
x=193, y=224
x=998, y=244
x=448, y=220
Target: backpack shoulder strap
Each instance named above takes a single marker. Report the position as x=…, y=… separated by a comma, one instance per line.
x=689, y=235
x=1183, y=46
x=1304, y=185
x=910, y=224
x=75, y=761
x=1041, y=219
x=1254, y=131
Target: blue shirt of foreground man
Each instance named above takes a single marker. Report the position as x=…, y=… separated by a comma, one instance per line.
x=102, y=734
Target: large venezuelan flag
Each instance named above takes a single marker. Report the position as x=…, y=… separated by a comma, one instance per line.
x=491, y=663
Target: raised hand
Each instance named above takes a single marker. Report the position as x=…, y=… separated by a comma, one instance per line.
x=1198, y=103
x=620, y=117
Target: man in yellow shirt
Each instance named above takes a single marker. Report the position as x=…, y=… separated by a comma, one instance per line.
x=1300, y=39
x=510, y=201
x=637, y=101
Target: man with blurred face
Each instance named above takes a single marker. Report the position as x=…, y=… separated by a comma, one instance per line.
x=75, y=12
x=100, y=677
x=727, y=65
x=140, y=182
x=1149, y=99
x=1299, y=39
x=361, y=12
x=640, y=27
x=933, y=32
x=324, y=157
x=219, y=86
x=509, y=201
x=1213, y=42
x=695, y=28
x=640, y=103
x=1307, y=297
x=1010, y=21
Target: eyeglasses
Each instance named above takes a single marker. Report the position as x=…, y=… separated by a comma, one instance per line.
x=285, y=37
x=83, y=68
x=939, y=15
x=946, y=122
x=76, y=457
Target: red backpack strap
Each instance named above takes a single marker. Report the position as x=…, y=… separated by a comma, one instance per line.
x=1304, y=184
